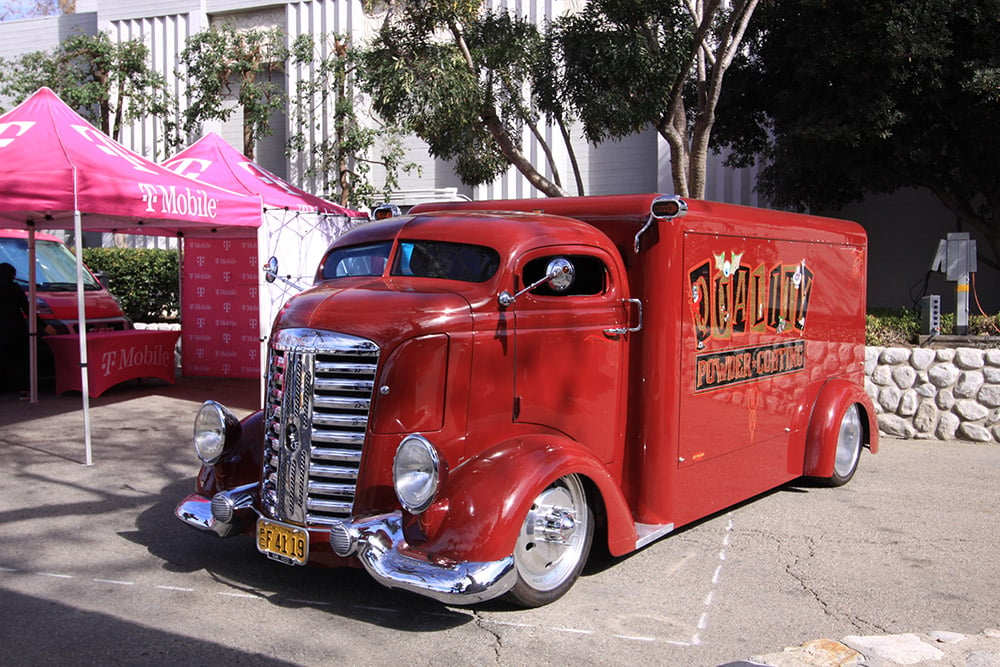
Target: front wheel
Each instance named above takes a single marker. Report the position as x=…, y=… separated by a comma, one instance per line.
x=553, y=544
x=848, y=447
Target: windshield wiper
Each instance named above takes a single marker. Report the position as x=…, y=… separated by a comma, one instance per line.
x=62, y=287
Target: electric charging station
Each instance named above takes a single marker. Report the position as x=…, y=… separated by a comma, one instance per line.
x=956, y=257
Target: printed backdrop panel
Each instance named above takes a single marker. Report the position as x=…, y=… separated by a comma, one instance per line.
x=221, y=308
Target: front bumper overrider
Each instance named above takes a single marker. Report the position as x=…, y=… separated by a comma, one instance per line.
x=220, y=513
x=379, y=544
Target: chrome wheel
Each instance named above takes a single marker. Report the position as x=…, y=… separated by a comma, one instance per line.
x=848, y=447
x=553, y=544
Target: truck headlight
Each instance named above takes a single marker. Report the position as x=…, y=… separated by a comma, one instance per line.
x=416, y=473
x=214, y=427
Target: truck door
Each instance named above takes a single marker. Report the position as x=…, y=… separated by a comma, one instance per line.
x=570, y=370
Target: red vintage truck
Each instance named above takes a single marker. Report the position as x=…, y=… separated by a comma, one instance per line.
x=472, y=394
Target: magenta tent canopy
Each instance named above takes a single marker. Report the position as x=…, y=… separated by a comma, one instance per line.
x=57, y=171
x=212, y=160
x=54, y=163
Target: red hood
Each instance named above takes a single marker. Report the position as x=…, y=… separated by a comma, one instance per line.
x=99, y=304
x=397, y=313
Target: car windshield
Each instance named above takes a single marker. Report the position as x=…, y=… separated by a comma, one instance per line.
x=451, y=261
x=55, y=265
x=419, y=259
x=359, y=260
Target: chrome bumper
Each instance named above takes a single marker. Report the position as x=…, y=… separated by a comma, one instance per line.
x=217, y=514
x=377, y=543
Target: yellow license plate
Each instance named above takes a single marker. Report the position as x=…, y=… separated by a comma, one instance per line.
x=284, y=543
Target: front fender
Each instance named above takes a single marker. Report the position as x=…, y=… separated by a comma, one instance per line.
x=836, y=395
x=482, y=505
x=241, y=462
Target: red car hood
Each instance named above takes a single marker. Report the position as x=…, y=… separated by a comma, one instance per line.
x=378, y=310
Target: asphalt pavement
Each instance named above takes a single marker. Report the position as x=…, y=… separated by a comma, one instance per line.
x=50, y=433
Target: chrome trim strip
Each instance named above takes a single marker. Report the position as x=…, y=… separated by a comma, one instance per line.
x=342, y=402
x=328, y=505
x=379, y=541
x=329, y=454
x=332, y=488
x=326, y=384
x=338, y=437
x=346, y=369
x=349, y=421
x=648, y=532
x=336, y=472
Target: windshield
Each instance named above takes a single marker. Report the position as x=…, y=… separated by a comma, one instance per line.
x=420, y=259
x=55, y=265
x=359, y=260
x=451, y=261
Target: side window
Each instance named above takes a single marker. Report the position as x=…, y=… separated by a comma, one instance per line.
x=591, y=276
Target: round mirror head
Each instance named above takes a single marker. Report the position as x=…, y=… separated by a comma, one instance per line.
x=271, y=270
x=560, y=274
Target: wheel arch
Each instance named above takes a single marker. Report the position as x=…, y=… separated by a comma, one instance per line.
x=484, y=500
x=835, y=396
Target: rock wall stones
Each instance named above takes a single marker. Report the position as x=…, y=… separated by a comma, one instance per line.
x=935, y=393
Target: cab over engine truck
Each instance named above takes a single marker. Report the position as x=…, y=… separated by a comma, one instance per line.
x=472, y=394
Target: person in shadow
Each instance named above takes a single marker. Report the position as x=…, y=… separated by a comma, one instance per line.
x=13, y=333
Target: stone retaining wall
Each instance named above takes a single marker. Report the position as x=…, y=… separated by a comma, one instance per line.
x=935, y=393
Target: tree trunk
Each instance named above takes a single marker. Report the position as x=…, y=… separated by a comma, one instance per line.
x=507, y=146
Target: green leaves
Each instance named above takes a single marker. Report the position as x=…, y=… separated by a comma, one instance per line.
x=853, y=97
x=143, y=279
x=460, y=77
x=225, y=62
x=108, y=83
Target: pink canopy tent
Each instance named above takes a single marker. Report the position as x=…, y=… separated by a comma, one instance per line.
x=57, y=171
x=296, y=228
x=212, y=160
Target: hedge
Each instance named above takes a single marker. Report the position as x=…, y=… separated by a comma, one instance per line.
x=145, y=280
x=890, y=328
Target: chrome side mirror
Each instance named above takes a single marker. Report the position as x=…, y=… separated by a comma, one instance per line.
x=271, y=274
x=559, y=274
x=271, y=270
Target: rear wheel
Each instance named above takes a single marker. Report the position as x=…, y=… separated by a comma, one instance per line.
x=553, y=544
x=848, y=447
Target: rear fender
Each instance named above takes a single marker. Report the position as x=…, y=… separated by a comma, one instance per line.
x=835, y=396
x=479, y=511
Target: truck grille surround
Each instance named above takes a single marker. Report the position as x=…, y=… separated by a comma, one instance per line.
x=317, y=405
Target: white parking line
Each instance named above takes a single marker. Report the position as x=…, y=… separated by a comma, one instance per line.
x=716, y=577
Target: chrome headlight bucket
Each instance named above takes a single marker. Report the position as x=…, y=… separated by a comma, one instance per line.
x=416, y=473
x=215, y=427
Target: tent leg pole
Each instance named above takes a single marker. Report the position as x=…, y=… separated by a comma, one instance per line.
x=33, y=332
x=82, y=320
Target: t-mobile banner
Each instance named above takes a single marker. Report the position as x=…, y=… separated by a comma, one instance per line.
x=221, y=318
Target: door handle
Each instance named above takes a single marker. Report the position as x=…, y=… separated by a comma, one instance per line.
x=620, y=331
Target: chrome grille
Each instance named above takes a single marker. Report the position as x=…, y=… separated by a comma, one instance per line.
x=319, y=396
